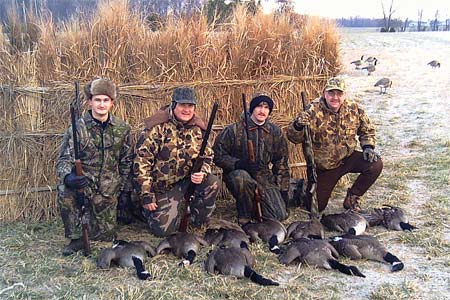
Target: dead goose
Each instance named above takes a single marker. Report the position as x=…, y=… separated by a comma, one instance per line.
x=358, y=62
x=269, y=230
x=347, y=222
x=127, y=254
x=307, y=229
x=391, y=217
x=235, y=261
x=182, y=245
x=384, y=83
x=226, y=237
x=370, y=68
x=434, y=64
x=367, y=247
x=319, y=253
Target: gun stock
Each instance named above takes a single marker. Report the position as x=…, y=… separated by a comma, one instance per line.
x=311, y=195
x=252, y=157
x=79, y=194
x=197, y=167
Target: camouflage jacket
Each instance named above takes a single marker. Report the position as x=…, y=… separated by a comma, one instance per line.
x=334, y=134
x=270, y=149
x=105, y=154
x=165, y=152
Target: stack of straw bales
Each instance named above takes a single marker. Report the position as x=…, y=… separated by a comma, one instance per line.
x=281, y=55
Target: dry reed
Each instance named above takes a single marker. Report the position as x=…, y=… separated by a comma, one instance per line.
x=280, y=54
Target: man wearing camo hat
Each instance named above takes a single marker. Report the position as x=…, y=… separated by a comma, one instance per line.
x=106, y=158
x=335, y=123
x=162, y=167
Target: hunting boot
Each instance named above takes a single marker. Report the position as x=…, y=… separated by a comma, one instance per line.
x=74, y=246
x=351, y=201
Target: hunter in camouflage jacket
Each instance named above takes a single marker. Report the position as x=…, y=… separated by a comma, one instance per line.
x=106, y=158
x=165, y=152
x=334, y=134
x=271, y=154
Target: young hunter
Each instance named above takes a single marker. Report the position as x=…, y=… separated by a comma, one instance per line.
x=106, y=159
x=165, y=152
x=335, y=123
x=243, y=176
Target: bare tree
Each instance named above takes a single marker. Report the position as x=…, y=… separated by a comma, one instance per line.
x=387, y=16
x=435, y=23
x=419, y=20
x=405, y=25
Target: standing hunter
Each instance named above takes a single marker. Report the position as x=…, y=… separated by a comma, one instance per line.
x=243, y=176
x=335, y=123
x=164, y=158
x=106, y=158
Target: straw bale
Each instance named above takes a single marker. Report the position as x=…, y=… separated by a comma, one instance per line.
x=282, y=55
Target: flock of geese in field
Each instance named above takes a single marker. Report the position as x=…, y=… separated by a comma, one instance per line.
x=369, y=64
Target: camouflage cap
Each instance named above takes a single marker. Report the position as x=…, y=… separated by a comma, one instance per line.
x=335, y=83
x=184, y=95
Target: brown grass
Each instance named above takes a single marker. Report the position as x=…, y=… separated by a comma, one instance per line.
x=279, y=54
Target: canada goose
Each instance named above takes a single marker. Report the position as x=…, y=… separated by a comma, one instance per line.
x=183, y=245
x=318, y=253
x=235, y=261
x=434, y=64
x=306, y=229
x=370, y=68
x=347, y=222
x=383, y=83
x=127, y=254
x=269, y=230
x=226, y=237
x=358, y=62
x=365, y=246
x=391, y=217
x=370, y=60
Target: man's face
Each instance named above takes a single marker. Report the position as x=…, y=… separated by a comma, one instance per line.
x=261, y=112
x=334, y=99
x=100, y=105
x=184, y=112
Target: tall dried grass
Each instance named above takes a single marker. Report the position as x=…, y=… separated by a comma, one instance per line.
x=279, y=54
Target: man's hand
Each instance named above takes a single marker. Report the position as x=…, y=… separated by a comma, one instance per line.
x=247, y=165
x=76, y=182
x=370, y=155
x=197, y=178
x=149, y=203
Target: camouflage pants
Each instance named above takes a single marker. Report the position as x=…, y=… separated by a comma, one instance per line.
x=242, y=186
x=101, y=211
x=171, y=206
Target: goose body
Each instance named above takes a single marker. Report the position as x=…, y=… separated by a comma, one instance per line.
x=319, y=253
x=434, y=64
x=307, y=229
x=269, y=230
x=347, y=222
x=371, y=67
x=182, y=245
x=391, y=217
x=383, y=83
x=358, y=62
x=365, y=247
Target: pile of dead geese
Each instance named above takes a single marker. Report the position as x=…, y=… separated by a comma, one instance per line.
x=301, y=242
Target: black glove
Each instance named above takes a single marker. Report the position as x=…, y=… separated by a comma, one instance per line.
x=247, y=165
x=124, y=200
x=370, y=155
x=76, y=182
x=285, y=196
x=123, y=209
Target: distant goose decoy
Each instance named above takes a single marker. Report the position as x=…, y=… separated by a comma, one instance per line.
x=358, y=62
x=347, y=222
x=434, y=64
x=370, y=68
x=365, y=246
x=384, y=83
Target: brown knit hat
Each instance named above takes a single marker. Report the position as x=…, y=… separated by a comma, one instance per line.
x=101, y=86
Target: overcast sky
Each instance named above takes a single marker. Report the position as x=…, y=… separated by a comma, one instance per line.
x=369, y=8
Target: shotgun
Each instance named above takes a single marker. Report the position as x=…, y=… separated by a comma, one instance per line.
x=252, y=157
x=311, y=173
x=197, y=167
x=80, y=197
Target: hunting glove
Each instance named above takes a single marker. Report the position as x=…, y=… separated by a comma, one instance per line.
x=149, y=198
x=285, y=196
x=76, y=182
x=301, y=121
x=124, y=200
x=247, y=165
x=123, y=210
x=370, y=155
